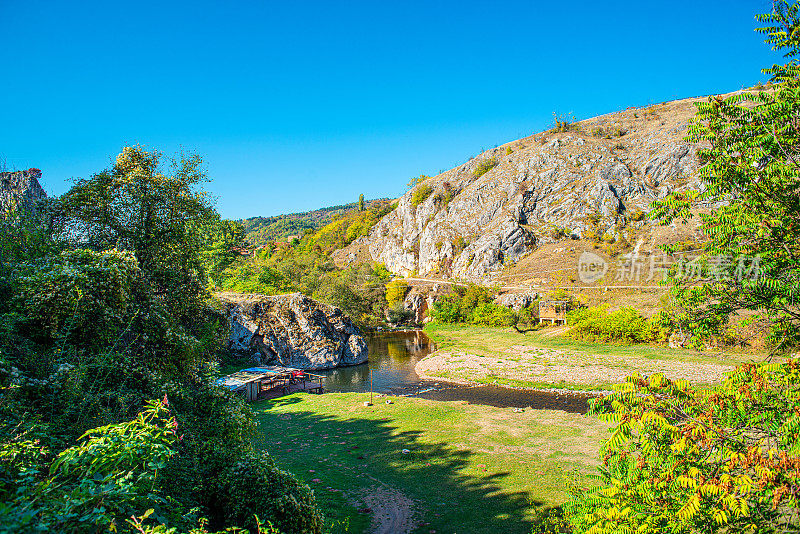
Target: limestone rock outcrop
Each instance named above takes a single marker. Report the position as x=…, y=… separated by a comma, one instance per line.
x=292, y=331
x=599, y=177
x=516, y=301
x=20, y=189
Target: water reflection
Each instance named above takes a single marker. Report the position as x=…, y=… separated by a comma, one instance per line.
x=392, y=358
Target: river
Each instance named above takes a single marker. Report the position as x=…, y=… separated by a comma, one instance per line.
x=390, y=370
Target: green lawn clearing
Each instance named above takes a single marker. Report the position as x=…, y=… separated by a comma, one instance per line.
x=466, y=469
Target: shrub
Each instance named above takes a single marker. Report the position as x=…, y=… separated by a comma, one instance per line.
x=420, y=194
x=82, y=294
x=563, y=123
x=685, y=460
x=92, y=486
x=447, y=309
x=396, y=291
x=473, y=304
x=558, y=232
x=625, y=326
x=398, y=313
x=417, y=180
x=484, y=167
x=255, y=487
x=491, y=314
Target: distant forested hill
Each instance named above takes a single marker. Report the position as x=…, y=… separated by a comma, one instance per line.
x=261, y=230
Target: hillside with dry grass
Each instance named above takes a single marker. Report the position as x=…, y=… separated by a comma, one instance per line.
x=523, y=212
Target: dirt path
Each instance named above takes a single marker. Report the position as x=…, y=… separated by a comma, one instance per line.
x=392, y=511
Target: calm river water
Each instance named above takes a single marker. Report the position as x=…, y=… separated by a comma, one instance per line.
x=392, y=357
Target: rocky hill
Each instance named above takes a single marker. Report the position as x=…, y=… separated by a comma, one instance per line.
x=20, y=189
x=593, y=179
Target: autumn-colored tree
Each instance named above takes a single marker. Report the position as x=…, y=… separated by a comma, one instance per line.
x=682, y=460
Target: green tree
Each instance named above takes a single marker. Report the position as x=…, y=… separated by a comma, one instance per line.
x=156, y=213
x=749, y=149
x=225, y=238
x=361, y=202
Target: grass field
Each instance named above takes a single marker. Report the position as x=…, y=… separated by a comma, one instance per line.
x=468, y=469
x=541, y=359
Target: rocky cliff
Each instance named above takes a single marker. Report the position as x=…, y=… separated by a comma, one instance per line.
x=598, y=176
x=293, y=331
x=20, y=189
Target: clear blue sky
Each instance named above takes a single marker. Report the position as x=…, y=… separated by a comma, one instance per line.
x=297, y=105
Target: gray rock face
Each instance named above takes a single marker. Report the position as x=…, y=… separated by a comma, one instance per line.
x=293, y=331
x=420, y=303
x=470, y=226
x=20, y=189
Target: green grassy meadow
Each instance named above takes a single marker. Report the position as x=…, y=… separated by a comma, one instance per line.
x=486, y=340
x=470, y=468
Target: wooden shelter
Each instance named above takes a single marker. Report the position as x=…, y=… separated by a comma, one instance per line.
x=553, y=311
x=268, y=382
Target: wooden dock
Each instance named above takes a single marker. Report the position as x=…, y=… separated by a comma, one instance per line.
x=269, y=382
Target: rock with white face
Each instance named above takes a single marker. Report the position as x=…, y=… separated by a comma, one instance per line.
x=292, y=331
x=544, y=190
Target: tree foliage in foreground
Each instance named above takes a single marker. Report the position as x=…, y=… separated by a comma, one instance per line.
x=750, y=154
x=682, y=460
x=104, y=305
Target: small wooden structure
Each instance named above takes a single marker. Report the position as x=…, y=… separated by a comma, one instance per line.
x=553, y=311
x=268, y=382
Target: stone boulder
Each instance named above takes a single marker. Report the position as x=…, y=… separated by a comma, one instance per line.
x=292, y=331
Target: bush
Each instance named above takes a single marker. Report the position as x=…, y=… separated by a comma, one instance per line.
x=624, y=326
x=484, y=167
x=563, y=123
x=685, y=460
x=93, y=486
x=398, y=314
x=473, y=305
x=80, y=296
x=491, y=314
x=255, y=487
x=420, y=194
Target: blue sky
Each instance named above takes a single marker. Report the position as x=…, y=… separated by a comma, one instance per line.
x=298, y=105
